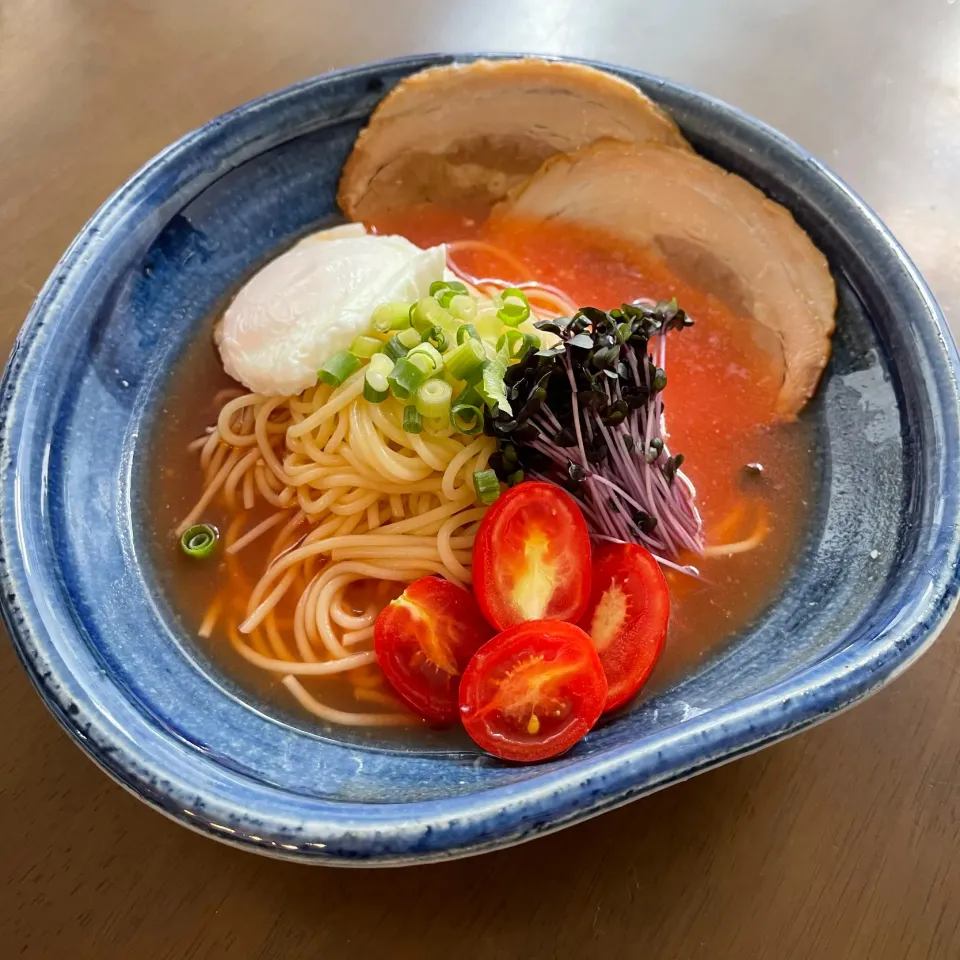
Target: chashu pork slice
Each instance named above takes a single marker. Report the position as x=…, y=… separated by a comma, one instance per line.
x=464, y=135
x=713, y=228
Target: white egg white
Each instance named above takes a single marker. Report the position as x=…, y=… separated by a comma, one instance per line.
x=313, y=300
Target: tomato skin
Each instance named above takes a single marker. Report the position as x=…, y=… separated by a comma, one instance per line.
x=631, y=596
x=533, y=691
x=531, y=557
x=423, y=641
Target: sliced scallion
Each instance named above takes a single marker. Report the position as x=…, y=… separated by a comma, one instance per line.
x=436, y=338
x=466, y=359
x=466, y=414
x=412, y=421
x=445, y=290
x=508, y=343
x=515, y=308
x=409, y=338
x=488, y=325
x=466, y=418
x=463, y=307
x=365, y=347
x=405, y=378
x=427, y=313
x=487, y=485
x=427, y=357
x=514, y=345
x=380, y=363
x=467, y=330
x=199, y=540
x=433, y=398
x=394, y=349
x=375, y=386
x=391, y=316
x=340, y=366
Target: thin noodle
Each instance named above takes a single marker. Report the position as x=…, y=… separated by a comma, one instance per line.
x=249, y=494
x=304, y=669
x=376, y=696
x=352, y=637
x=237, y=474
x=210, y=617
x=220, y=452
x=341, y=716
x=277, y=643
x=263, y=485
x=207, y=496
x=350, y=497
x=199, y=443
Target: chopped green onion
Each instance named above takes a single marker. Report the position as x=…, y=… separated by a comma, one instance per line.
x=487, y=485
x=375, y=386
x=463, y=307
x=433, y=398
x=338, y=368
x=466, y=414
x=469, y=394
x=491, y=386
x=515, y=478
x=412, y=421
x=380, y=363
x=405, y=378
x=467, y=330
x=514, y=345
x=466, y=359
x=466, y=418
x=473, y=378
x=394, y=349
x=409, y=338
x=508, y=342
x=489, y=325
x=427, y=357
x=199, y=540
x=365, y=347
x=444, y=291
x=436, y=338
x=427, y=313
x=391, y=316
x=445, y=297
x=516, y=307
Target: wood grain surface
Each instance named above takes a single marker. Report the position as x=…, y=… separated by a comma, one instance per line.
x=841, y=843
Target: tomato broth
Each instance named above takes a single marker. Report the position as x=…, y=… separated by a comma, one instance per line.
x=752, y=473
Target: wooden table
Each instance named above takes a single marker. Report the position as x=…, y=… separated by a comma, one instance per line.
x=841, y=843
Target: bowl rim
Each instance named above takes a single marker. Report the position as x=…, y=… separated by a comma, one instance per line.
x=348, y=833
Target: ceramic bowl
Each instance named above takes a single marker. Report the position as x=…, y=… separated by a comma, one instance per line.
x=874, y=581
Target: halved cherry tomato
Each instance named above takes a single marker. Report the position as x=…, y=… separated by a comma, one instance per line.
x=531, y=557
x=424, y=640
x=627, y=617
x=533, y=691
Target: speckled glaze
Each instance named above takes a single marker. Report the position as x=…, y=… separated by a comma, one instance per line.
x=875, y=581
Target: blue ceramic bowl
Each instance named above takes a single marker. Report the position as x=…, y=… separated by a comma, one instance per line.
x=875, y=581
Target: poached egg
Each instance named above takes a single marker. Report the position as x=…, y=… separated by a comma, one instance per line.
x=312, y=301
